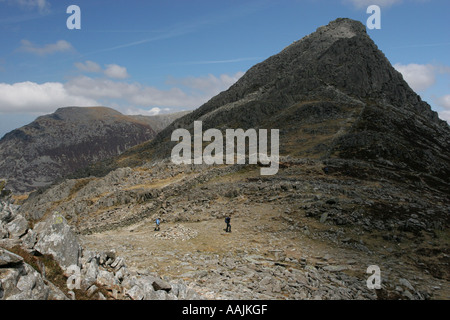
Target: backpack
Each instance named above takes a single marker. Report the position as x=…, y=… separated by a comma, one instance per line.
x=227, y=220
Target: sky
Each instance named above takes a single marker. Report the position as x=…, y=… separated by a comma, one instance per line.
x=152, y=57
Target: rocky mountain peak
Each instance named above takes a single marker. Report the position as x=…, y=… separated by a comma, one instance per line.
x=332, y=94
x=343, y=28
x=337, y=29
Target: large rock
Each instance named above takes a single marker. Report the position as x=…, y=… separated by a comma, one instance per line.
x=160, y=284
x=20, y=281
x=30, y=285
x=4, y=233
x=13, y=226
x=106, y=278
x=9, y=259
x=136, y=293
x=89, y=273
x=55, y=237
x=18, y=226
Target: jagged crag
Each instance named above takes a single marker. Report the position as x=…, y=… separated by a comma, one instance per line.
x=302, y=233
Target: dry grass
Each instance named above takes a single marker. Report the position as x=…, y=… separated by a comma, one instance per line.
x=19, y=199
x=80, y=184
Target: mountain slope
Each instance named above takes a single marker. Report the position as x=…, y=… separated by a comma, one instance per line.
x=332, y=94
x=53, y=145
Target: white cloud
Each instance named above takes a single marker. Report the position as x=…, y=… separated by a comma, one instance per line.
x=31, y=97
x=152, y=112
x=131, y=93
x=111, y=70
x=100, y=88
x=59, y=46
x=445, y=115
x=115, y=71
x=133, y=98
x=186, y=92
x=88, y=66
x=419, y=76
x=151, y=96
x=444, y=102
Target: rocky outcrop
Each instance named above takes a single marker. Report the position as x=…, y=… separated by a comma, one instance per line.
x=88, y=274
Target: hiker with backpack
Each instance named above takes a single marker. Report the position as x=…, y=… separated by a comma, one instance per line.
x=227, y=221
x=157, y=224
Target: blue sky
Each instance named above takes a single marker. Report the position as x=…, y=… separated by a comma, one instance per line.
x=149, y=57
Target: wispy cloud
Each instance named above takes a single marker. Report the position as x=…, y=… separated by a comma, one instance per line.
x=59, y=46
x=43, y=6
x=88, y=66
x=116, y=72
x=187, y=27
x=139, y=42
x=111, y=70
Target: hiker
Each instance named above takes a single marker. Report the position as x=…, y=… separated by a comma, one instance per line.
x=227, y=221
x=325, y=170
x=157, y=224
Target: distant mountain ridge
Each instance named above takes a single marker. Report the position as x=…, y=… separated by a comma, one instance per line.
x=54, y=145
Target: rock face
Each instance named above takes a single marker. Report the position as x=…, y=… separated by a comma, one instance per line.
x=55, y=145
